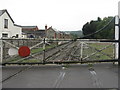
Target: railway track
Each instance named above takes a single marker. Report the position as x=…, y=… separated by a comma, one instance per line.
x=67, y=53
x=73, y=53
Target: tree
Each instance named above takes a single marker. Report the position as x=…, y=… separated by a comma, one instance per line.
x=93, y=26
x=99, y=19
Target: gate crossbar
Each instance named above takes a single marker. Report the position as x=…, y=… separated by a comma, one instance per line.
x=96, y=51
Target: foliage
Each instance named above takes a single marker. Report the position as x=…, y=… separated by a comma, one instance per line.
x=93, y=26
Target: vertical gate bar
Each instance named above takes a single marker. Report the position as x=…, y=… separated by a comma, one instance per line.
x=81, y=56
x=119, y=44
x=117, y=37
x=18, y=43
x=44, y=51
x=119, y=33
x=1, y=52
x=114, y=51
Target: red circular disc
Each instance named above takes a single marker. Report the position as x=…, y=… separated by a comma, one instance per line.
x=24, y=51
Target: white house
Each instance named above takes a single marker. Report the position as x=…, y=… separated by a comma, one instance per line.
x=8, y=29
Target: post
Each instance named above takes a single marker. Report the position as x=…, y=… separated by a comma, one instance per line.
x=44, y=51
x=81, y=51
x=1, y=51
x=1, y=58
x=116, y=37
x=119, y=33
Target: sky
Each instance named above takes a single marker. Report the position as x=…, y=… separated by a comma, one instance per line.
x=63, y=15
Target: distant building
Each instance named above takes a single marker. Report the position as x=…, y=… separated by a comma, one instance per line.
x=29, y=31
x=55, y=34
x=8, y=29
x=50, y=33
x=40, y=33
x=67, y=36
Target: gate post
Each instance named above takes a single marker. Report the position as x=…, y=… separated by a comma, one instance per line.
x=116, y=37
x=81, y=51
x=119, y=33
x=1, y=54
x=1, y=51
x=44, y=51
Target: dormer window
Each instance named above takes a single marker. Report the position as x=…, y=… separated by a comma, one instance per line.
x=5, y=23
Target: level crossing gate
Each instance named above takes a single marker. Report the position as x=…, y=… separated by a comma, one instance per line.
x=52, y=51
x=36, y=51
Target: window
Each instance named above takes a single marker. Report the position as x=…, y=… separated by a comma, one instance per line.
x=4, y=35
x=5, y=23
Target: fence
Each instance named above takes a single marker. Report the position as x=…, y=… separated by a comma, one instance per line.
x=38, y=51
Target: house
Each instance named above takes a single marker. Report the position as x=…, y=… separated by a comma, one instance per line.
x=29, y=31
x=55, y=34
x=67, y=36
x=8, y=28
x=50, y=33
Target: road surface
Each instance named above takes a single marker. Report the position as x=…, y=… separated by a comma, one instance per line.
x=102, y=75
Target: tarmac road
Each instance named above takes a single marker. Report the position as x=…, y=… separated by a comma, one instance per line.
x=104, y=75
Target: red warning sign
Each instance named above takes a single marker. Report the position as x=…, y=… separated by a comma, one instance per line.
x=24, y=51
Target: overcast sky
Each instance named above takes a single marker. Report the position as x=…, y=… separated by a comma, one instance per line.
x=60, y=14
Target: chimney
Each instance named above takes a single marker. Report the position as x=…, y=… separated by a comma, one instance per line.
x=46, y=27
